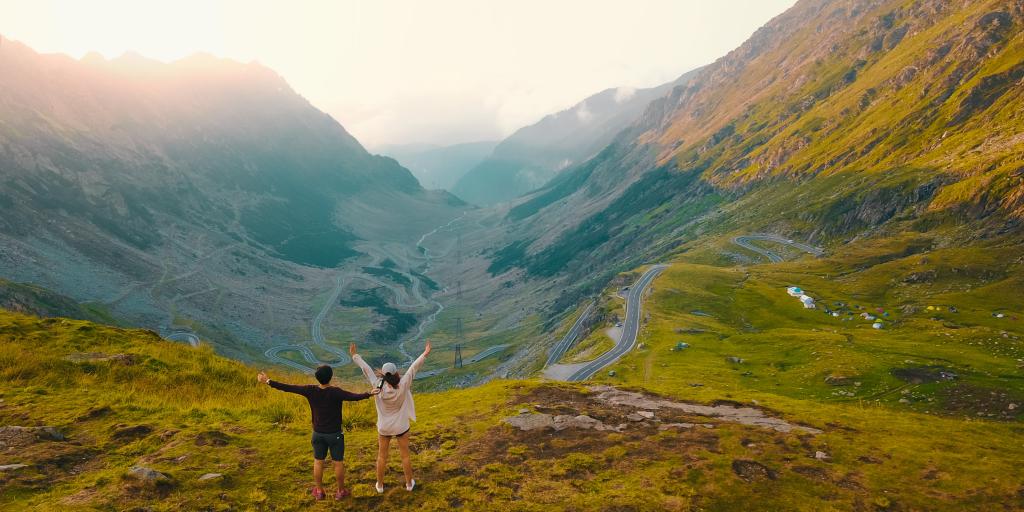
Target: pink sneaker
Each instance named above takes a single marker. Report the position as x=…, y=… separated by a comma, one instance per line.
x=318, y=493
x=342, y=494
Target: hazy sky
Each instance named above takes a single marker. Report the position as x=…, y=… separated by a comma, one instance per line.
x=439, y=71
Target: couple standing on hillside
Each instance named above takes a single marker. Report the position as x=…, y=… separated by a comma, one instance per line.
x=395, y=408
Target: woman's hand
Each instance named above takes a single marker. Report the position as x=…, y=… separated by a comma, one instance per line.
x=352, y=349
x=426, y=348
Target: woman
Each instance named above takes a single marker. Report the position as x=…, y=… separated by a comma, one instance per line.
x=395, y=409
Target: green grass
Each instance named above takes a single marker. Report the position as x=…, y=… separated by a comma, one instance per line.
x=893, y=443
x=947, y=444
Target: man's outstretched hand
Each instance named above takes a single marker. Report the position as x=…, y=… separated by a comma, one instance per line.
x=262, y=377
x=352, y=349
x=374, y=391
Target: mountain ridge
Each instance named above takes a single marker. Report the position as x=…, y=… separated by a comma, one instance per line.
x=534, y=154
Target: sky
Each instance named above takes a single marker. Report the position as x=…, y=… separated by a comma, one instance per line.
x=408, y=71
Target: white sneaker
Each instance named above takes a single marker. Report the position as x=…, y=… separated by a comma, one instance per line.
x=411, y=485
x=380, y=487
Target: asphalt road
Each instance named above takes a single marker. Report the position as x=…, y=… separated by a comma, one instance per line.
x=484, y=354
x=185, y=336
x=744, y=242
x=630, y=328
x=570, y=337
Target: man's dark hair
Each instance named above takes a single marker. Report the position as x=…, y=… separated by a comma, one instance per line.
x=323, y=374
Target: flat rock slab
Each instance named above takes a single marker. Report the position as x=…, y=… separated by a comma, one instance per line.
x=669, y=426
x=730, y=413
x=211, y=476
x=12, y=467
x=15, y=436
x=540, y=421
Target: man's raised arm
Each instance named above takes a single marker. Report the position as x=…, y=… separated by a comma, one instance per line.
x=288, y=388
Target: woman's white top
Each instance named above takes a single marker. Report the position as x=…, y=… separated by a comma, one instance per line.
x=395, y=407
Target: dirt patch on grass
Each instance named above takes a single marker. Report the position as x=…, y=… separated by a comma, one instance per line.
x=970, y=400
x=126, y=433
x=212, y=438
x=924, y=374
x=752, y=471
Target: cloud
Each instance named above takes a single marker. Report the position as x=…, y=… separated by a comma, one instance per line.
x=583, y=113
x=624, y=94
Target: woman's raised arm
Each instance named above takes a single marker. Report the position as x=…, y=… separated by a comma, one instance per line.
x=367, y=371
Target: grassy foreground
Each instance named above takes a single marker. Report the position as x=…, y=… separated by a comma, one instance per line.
x=914, y=416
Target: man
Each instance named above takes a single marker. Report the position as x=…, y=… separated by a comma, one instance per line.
x=325, y=405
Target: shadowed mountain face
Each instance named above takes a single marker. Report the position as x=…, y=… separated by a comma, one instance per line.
x=121, y=144
x=127, y=175
x=834, y=120
x=531, y=156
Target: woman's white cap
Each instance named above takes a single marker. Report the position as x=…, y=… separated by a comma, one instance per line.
x=389, y=368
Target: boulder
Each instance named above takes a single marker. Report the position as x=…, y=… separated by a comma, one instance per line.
x=145, y=474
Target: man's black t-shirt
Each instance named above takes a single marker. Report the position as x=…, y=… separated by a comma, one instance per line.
x=324, y=404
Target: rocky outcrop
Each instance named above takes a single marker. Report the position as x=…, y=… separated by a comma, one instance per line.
x=725, y=412
x=528, y=421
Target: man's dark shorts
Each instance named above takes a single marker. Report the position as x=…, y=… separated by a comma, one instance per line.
x=334, y=442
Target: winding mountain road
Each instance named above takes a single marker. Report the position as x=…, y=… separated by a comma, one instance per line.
x=744, y=241
x=402, y=299
x=630, y=329
x=570, y=337
x=184, y=336
x=488, y=352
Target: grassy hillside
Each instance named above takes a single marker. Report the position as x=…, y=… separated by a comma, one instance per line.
x=895, y=434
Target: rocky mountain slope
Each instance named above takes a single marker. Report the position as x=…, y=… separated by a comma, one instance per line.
x=532, y=155
x=183, y=192
x=836, y=120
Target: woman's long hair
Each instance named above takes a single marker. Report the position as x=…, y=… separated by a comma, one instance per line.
x=392, y=379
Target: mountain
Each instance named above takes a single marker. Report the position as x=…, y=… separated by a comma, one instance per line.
x=531, y=156
x=439, y=166
x=184, y=192
x=837, y=120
